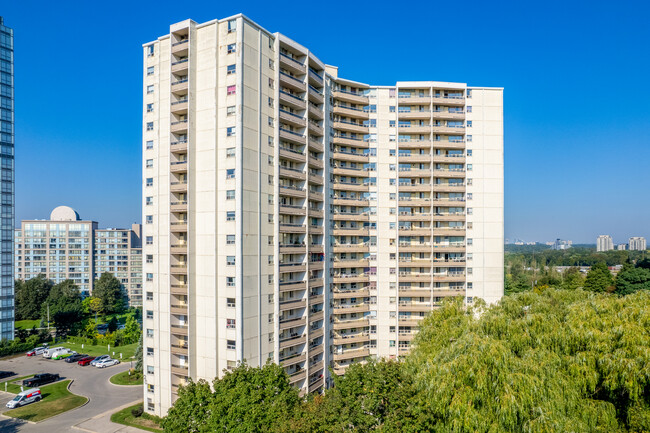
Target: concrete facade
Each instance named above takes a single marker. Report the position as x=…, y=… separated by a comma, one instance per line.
x=604, y=243
x=637, y=244
x=298, y=216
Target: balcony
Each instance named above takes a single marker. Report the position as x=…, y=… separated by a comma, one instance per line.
x=415, y=144
x=351, y=263
x=179, y=349
x=180, y=247
x=414, y=99
x=315, y=95
x=450, y=158
x=179, y=127
x=292, y=173
x=315, y=78
x=351, y=97
x=414, y=115
x=350, y=186
x=292, y=285
x=292, y=64
x=292, y=100
x=351, y=231
x=292, y=304
x=292, y=228
x=292, y=191
x=292, y=359
x=178, y=309
x=344, y=125
x=292, y=154
x=287, y=209
x=413, y=157
x=181, y=48
x=292, y=322
x=292, y=82
x=450, y=115
x=178, y=226
x=448, y=100
x=414, y=129
x=350, y=141
x=359, y=337
x=292, y=118
x=350, y=278
x=351, y=308
x=444, y=129
x=314, y=128
x=178, y=206
x=351, y=248
x=291, y=136
x=354, y=293
x=315, y=145
x=180, y=107
x=315, y=112
x=293, y=267
x=362, y=216
x=348, y=111
x=178, y=186
x=449, y=187
x=350, y=156
x=295, y=248
x=449, y=248
x=180, y=66
x=351, y=354
x=315, y=162
x=180, y=87
x=178, y=329
x=445, y=144
x=179, y=146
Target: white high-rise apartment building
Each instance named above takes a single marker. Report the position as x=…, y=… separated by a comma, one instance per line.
x=637, y=244
x=298, y=216
x=604, y=243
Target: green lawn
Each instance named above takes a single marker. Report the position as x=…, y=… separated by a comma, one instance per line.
x=127, y=351
x=56, y=399
x=27, y=324
x=144, y=422
x=11, y=384
x=124, y=378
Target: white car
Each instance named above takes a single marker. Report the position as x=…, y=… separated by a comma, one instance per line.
x=99, y=359
x=49, y=352
x=107, y=363
x=25, y=397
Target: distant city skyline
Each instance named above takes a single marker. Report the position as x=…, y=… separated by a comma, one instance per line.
x=557, y=153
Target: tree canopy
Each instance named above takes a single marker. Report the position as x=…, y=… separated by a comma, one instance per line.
x=110, y=294
x=599, y=278
x=30, y=296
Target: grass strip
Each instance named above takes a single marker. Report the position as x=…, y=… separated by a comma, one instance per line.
x=56, y=400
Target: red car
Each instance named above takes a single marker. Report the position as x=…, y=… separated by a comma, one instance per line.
x=85, y=361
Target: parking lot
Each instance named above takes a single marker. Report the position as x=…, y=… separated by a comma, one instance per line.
x=88, y=381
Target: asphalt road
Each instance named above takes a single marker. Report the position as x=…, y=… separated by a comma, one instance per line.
x=89, y=381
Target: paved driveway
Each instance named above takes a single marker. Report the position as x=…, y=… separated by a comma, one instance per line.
x=89, y=381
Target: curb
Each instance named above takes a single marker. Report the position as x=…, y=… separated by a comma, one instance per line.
x=101, y=415
x=119, y=386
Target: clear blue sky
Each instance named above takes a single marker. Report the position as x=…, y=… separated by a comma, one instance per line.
x=577, y=109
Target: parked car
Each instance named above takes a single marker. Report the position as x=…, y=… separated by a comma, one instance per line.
x=41, y=379
x=25, y=397
x=85, y=361
x=75, y=357
x=36, y=351
x=99, y=359
x=107, y=363
x=63, y=353
x=50, y=351
x=4, y=374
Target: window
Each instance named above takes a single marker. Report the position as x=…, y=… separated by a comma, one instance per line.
x=231, y=69
x=230, y=173
x=469, y=152
x=469, y=123
x=231, y=90
x=149, y=351
x=270, y=102
x=391, y=152
x=270, y=120
x=469, y=167
x=230, y=131
x=270, y=198
x=149, y=369
x=469, y=138
x=270, y=318
x=270, y=240
x=230, y=152
x=232, y=48
x=391, y=343
x=149, y=108
x=271, y=43
x=270, y=160
x=469, y=108
x=149, y=219
x=470, y=241
x=149, y=240
x=149, y=276
x=150, y=387
x=469, y=93
x=469, y=196
x=150, y=181
x=149, y=314
x=230, y=216
x=271, y=218
x=271, y=64
x=270, y=259
x=270, y=179
x=149, y=163
x=391, y=167
x=470, y=225
x=149, y=258
x=470, y=285
x=230, y=302
x=469, y=181
x=271, y=83
x=150, y=51
x=149, y=126
x=230, y=344
x=392, y=181
x=392, y=108
x=230, y=239
x=232, y=26
x=470, y=271
x=230, y=281
x=149, y=144
x=231, y=110
x=271, y=141
x=150, y=89
x=470, y=256
x=391, y=196
x=391, y=124
x=230, y=194
x=230, y=323
x=230, y=260
x=149, y=296
x=150, y=70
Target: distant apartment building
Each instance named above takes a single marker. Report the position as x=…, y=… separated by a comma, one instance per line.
x=621, y=247
x=604, y=243
x=295, y=215
x=637, y=244
x=65, y=247
x=6, y=181
x=560, y=244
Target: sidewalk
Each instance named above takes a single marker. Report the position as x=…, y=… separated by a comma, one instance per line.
x=102, y=423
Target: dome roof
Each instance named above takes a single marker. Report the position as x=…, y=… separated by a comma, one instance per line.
x=64, y=213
